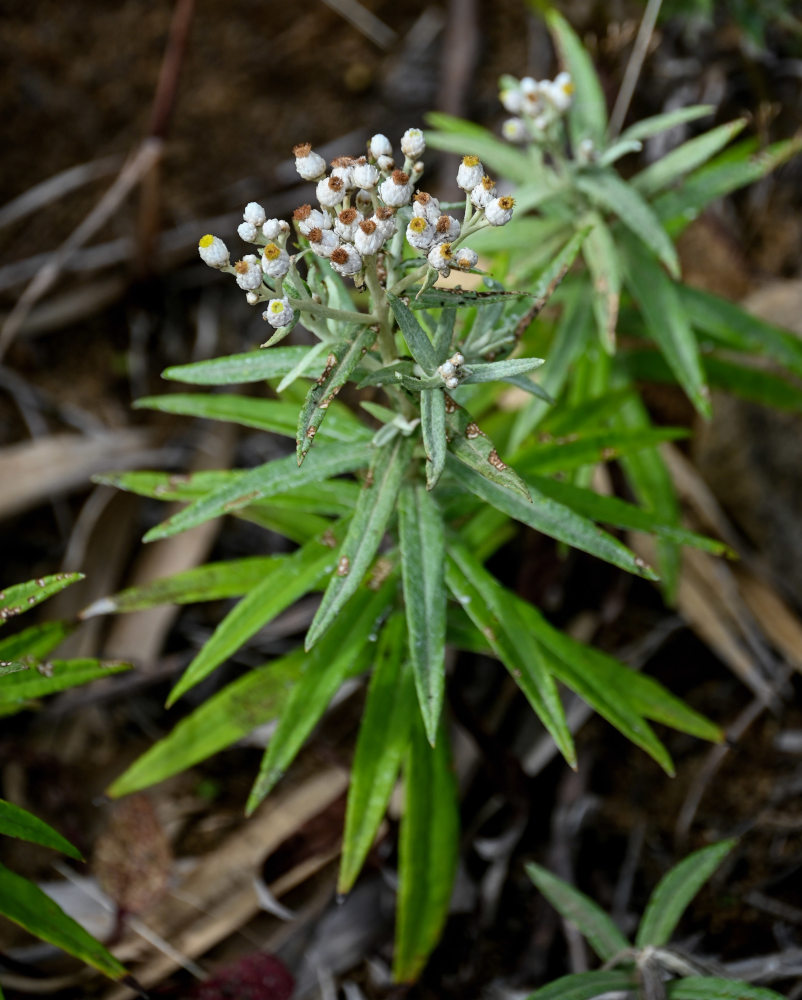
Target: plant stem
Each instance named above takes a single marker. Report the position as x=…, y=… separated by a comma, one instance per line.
x=318, y=309
x=381, y=310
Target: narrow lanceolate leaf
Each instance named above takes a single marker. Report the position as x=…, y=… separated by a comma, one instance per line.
x=606, y=190
x=21, y=597
x=714, y=988
x=287, y=581
x=601, y=256
x=422, y=545
x=417, y=339
x=647, y=127
x=229, y=715
x=433, y=431
x=428, y=851
x=55, y=675
x=254, y=366
x=278, y=476
x=588, y=448
x=212, y=582
x=495, y=371
x=374, y=508
x=340, y=362
x=278, y=416
x=685, y=158
x=553, y=519
x=34, y=643
x=666, y=322
x=586, y=985
x=588, y=917
x=675, y=891
x=25, y=904
x=587, y=117
x=381, y=745
x=490, y=608
x=476, y=451
x=344, y=650
x=549, y=280
x=444, y=332
x=17, y=822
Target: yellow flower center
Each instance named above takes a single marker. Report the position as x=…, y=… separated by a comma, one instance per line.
x=272, y=252
x=470, y=161
x=206, y=241
x=417, y=224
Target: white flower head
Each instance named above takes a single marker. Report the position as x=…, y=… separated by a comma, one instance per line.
x=247, y=231
x=420, y=232
x=512, y=100
x=470, y=173
x=386, y=164
x=346, y=223
x=484, y=192
x=368, y=239
x=441, y=258
x=278, y=312
x=254, y=213
x=384, y=218
x=323, y=241
x=273, y=227
x=346, y=260
x=275, y=261
x=396, y=190
x=310, y=165
x=365, y=175
x=330, y=191
x=248, y=273
x=380, y=145
x=560, y=91
x=466, y=258
x=413, y=144
x=446, y=229
x=426, y=205
x=343, y=167
x=514, y=130
x=308, y=218
x=213, y=251
x=499, y=211
x=363, y=200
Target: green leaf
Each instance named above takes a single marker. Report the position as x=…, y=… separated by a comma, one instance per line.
x=685, y=158
x=553, y=519
x=490, y=608
x=444, y=332
x=433, y=431
x=459, y=298
x=21, y=597
x=374, y=508
x=666, y=322
x=287, y=581
x=428, y=852
x=495, y=371
x=601, y=256
x=380, y=748
x=19, y=823
x=588, y=448
x=346, y=648
x=277, y=476
x=227, y=716
x=25, y=904
x=655, y=124
x=254, y=366
x=676, y=890
x=275, y=415
x=36, y=642
x=593, y=923
x=212, y=582
x=606, y=190
x=586, y=985
x=416, y=337
x=734, y=327
x=587, y=116
x=56, y=675
x=455, y=135
x=713, y=988
x=340, y=363
x=422, y=544
x=476, y=451
x=622, y=514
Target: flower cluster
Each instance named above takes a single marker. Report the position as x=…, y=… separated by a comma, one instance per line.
x=535, y=104
x=365, y=205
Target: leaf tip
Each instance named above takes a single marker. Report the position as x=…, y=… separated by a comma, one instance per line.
x=103, y=606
